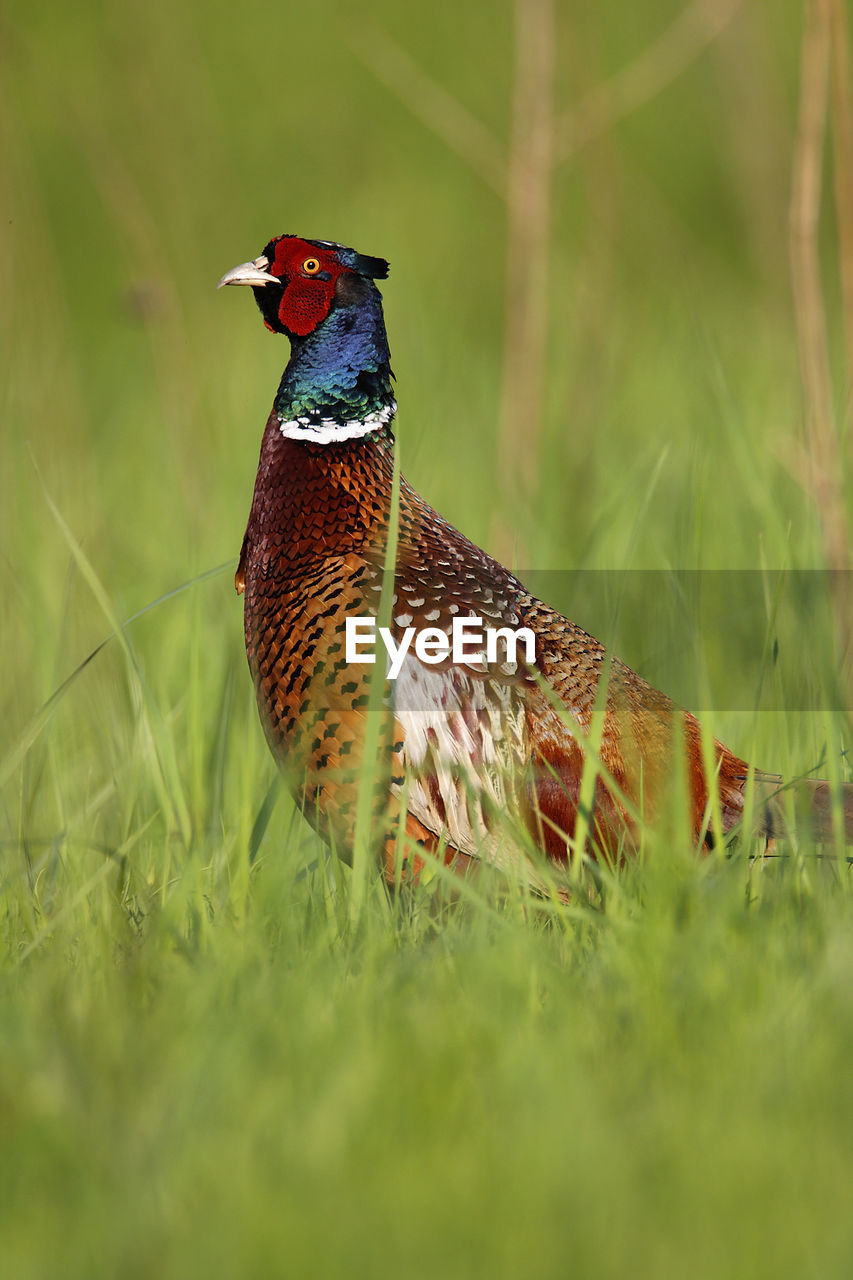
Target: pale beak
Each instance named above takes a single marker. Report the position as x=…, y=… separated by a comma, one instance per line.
x=254, y=273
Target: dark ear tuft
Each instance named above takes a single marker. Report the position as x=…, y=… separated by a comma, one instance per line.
x=361, y=263
x=375, y=268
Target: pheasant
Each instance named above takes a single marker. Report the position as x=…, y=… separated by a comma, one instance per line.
x=468, y=737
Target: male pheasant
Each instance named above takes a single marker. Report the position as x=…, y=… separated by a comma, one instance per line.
x=465, y=744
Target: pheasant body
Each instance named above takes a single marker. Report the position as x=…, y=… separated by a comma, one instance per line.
x=462, y=745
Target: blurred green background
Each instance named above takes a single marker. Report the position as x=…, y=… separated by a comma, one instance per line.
x=201, y=1072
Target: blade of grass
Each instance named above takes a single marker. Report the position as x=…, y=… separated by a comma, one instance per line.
x=362, y=857
x=166, y=775
x=15, y=755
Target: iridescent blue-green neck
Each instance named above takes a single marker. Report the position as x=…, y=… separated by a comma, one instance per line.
x=340, y=374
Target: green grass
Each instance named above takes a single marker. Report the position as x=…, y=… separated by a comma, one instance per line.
x=205, y=1069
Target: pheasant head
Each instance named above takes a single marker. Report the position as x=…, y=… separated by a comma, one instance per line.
x=322, y=296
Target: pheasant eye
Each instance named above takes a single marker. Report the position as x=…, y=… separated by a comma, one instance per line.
x=311, y=266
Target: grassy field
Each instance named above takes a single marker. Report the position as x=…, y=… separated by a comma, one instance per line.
x=204, y=1070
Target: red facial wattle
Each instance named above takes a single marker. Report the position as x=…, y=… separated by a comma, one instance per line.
x=308, y=293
